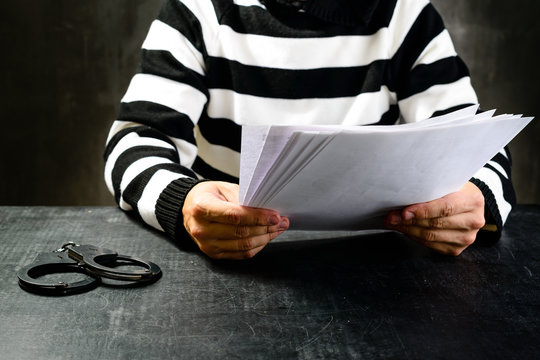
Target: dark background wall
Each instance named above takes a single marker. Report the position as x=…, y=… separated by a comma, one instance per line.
x=500, y=42
x=65, y=65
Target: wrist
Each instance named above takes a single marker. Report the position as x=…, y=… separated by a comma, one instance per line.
x=170, y=204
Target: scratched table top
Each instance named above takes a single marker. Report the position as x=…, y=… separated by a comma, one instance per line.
x=311, y=296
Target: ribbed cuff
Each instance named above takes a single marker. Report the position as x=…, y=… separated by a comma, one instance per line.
x=491, y=211
x=169, y=208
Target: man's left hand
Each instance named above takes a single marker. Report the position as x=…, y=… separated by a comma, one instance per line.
x=447, y=225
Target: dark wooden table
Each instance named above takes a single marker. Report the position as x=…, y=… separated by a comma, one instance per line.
x=314, y=296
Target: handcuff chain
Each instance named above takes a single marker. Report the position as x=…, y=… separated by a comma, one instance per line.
x=65, y=246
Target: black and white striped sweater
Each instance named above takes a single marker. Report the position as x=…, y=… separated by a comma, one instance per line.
x=210, y=66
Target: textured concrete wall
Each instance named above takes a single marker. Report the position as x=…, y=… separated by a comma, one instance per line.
x=500, y=42
x=65, y=65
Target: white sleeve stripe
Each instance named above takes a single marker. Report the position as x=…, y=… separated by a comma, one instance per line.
x=206, y=15
x=504, y=153
x=187, y=151
x=180, y=97
x=129, y=141
x=119, y=125
x=164, y=37
x=499, y=168
x=219, y=157
x=439, y=48
x=151, y=193
x=493, y=181
x=438, y=97
x=138, y=167
x=125, y=206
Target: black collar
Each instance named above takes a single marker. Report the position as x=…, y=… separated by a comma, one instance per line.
x=343, y=12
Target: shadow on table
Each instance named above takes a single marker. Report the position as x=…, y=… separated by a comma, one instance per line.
x=300, y=253
x=381, y=295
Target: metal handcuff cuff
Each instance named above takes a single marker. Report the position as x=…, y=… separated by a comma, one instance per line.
x=92, y=261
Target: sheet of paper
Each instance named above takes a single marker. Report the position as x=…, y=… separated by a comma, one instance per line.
x=348, y=177
x=263, y=146
x=253, y=140
x=298, y=152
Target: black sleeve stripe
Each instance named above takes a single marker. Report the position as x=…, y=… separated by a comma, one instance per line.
x=160, y=117
x=111, y=144
x=133, y=192
x=162, y=63
x=446, y=71
x=503, y=162
x=508, y=154
x=221, y=131
x=133, y=154
x=451, y=109
x=208, y=172
x=391, y=117
x=426, y=27
x=175, y=14
x=508, y=190
x=268, y=82
x=143, y=131
x=255, y=20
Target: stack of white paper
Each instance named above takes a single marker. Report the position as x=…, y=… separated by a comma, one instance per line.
x=347, y=177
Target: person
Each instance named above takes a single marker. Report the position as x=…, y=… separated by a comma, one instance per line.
x=210, y=66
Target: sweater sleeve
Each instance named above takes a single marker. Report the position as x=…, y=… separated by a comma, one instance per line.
x=151, y=146
x=433, y=80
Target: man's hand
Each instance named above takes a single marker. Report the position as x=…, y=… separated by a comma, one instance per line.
x=222, y=228
x=448, y=225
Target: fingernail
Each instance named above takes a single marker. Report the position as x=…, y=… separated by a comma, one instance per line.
x=408, y=215
x=283, y=225
x=273, y=220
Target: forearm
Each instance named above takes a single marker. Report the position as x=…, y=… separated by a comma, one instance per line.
x=143, y=172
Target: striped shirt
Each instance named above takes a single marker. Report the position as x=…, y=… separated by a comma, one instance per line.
x=210, y=66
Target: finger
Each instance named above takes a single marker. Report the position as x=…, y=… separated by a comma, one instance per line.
x=442, y=207
x=463, y=221
x=219, y=231
x=468, y=199
x=228, y=213
x=444, y=242
x=245, y=245
x=237, y=249
x=427, y=236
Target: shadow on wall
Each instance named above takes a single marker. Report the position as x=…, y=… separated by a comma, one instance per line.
x=69, y=62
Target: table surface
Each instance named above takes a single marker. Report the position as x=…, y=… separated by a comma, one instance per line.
x=312, y=296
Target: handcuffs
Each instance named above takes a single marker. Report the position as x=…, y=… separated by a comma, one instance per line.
x=94, y=262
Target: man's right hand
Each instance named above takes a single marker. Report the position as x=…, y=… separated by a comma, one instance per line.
x=224, y=229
